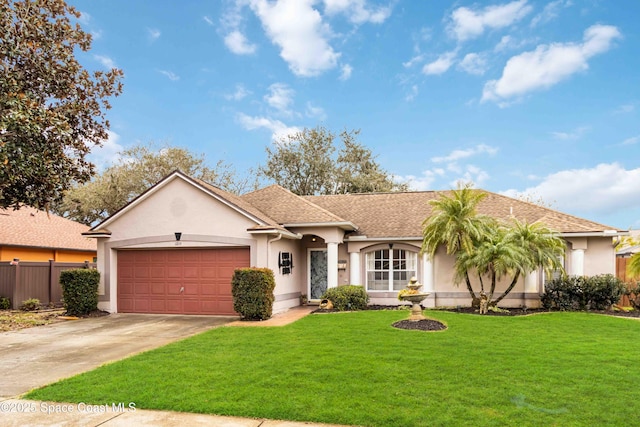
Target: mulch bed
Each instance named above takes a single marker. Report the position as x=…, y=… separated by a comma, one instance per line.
x=420, y=325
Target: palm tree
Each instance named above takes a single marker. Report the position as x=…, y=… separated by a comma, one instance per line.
x=494, y=257
x=455, y=223
x=542, y=248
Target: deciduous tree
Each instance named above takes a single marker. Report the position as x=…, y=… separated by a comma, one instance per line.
x=137, y=169
x=308, y=163
x=52, y=110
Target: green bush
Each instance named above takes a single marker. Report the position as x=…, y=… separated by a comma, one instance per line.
x=603, y=291
x=5, y=303
x=582, y=293
x=633, y=292
x=80, y=290
x=252, y=290
x=348, y=297
x=32, y=304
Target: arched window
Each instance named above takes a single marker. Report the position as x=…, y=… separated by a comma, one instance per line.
x=390, y=269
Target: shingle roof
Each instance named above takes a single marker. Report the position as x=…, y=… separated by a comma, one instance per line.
x=402, y=214
x=240, y=202
x=32, y=227
x=288, y=208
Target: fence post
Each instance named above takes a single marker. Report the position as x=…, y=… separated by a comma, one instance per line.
x=51, y=278
x=14, y=302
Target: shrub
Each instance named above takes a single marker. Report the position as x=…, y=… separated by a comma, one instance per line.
x=5, y=303
x=31, y=304
x=347, y=297
x=252, y=290
x=582, y=293
x=80, y=290
x=633, y=292
x=602, y=291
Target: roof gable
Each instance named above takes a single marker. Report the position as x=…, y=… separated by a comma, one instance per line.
x=34, y=228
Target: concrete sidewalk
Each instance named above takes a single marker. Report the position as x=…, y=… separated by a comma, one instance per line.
x=20, y=413
x=279, y=319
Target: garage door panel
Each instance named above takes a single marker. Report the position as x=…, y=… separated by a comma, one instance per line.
x=150, y=281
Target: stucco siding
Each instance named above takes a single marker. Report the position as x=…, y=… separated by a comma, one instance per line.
x=599, y=257
x=179, y=207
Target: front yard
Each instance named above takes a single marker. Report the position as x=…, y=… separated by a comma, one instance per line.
x=354, y=368
x=11, y=320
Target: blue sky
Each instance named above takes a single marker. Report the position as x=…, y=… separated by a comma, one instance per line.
x=533, y=97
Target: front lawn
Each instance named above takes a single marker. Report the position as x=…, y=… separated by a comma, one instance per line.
x=354, y=368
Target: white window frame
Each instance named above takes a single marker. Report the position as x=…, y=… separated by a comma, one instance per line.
x=410, y=261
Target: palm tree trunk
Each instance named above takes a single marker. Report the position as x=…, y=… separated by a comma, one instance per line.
x=475, y=301
x=511, y=286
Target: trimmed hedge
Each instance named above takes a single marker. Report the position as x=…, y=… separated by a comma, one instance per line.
x=347, y=297
x=583, y=293
x=252, y=290
x=80, y=290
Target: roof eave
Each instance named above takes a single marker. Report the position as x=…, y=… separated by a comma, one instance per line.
x=284, y=233
x=604, y=233
x=345, y=225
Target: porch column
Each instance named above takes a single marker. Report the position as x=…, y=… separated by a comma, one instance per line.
x=427, y=269
x=354, y=268
x=332, y=265
x=531, y=283
x=577, y=262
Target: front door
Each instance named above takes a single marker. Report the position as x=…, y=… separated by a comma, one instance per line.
x=317, y=273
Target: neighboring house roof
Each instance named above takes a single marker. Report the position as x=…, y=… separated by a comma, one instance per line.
x=626, y=249
x=34, y=228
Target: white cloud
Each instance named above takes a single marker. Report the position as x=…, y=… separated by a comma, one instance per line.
x=297, y=28
x=240, y=93
x=357, y=11
x=84, y=18
x=278, y=129
x=108, y=154
x=474, y=63
x=631, y=141
x=606, y=188
x=456, y=155
x=440, y=65
x=468, y=24
x=153, y=33
x=550, y=12
x=315, y=112
x=574, y=134
x=237, y=43
x=208, y=20
x=548, y=64
x=423, y=182
x=170, y=75
x=626, y=108
x=105, y=61
x=416, y=59
x=280, y=97
x=412, y=94
x=472, y=175
x=345, y=73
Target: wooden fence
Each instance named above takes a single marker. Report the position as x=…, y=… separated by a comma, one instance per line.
x=23, y=280
x=621, y=273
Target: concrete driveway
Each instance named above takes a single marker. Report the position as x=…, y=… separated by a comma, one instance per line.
x=37, y=356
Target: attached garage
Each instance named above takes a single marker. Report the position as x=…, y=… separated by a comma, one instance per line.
x=178, y=281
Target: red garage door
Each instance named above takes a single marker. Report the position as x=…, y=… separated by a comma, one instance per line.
x=179, y=281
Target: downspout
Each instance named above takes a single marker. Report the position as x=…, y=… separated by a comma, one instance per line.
x=269, y=242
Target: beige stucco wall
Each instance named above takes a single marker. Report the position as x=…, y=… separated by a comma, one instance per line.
x=599, y=257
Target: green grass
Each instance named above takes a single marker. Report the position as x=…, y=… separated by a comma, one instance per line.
x=559, y=369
